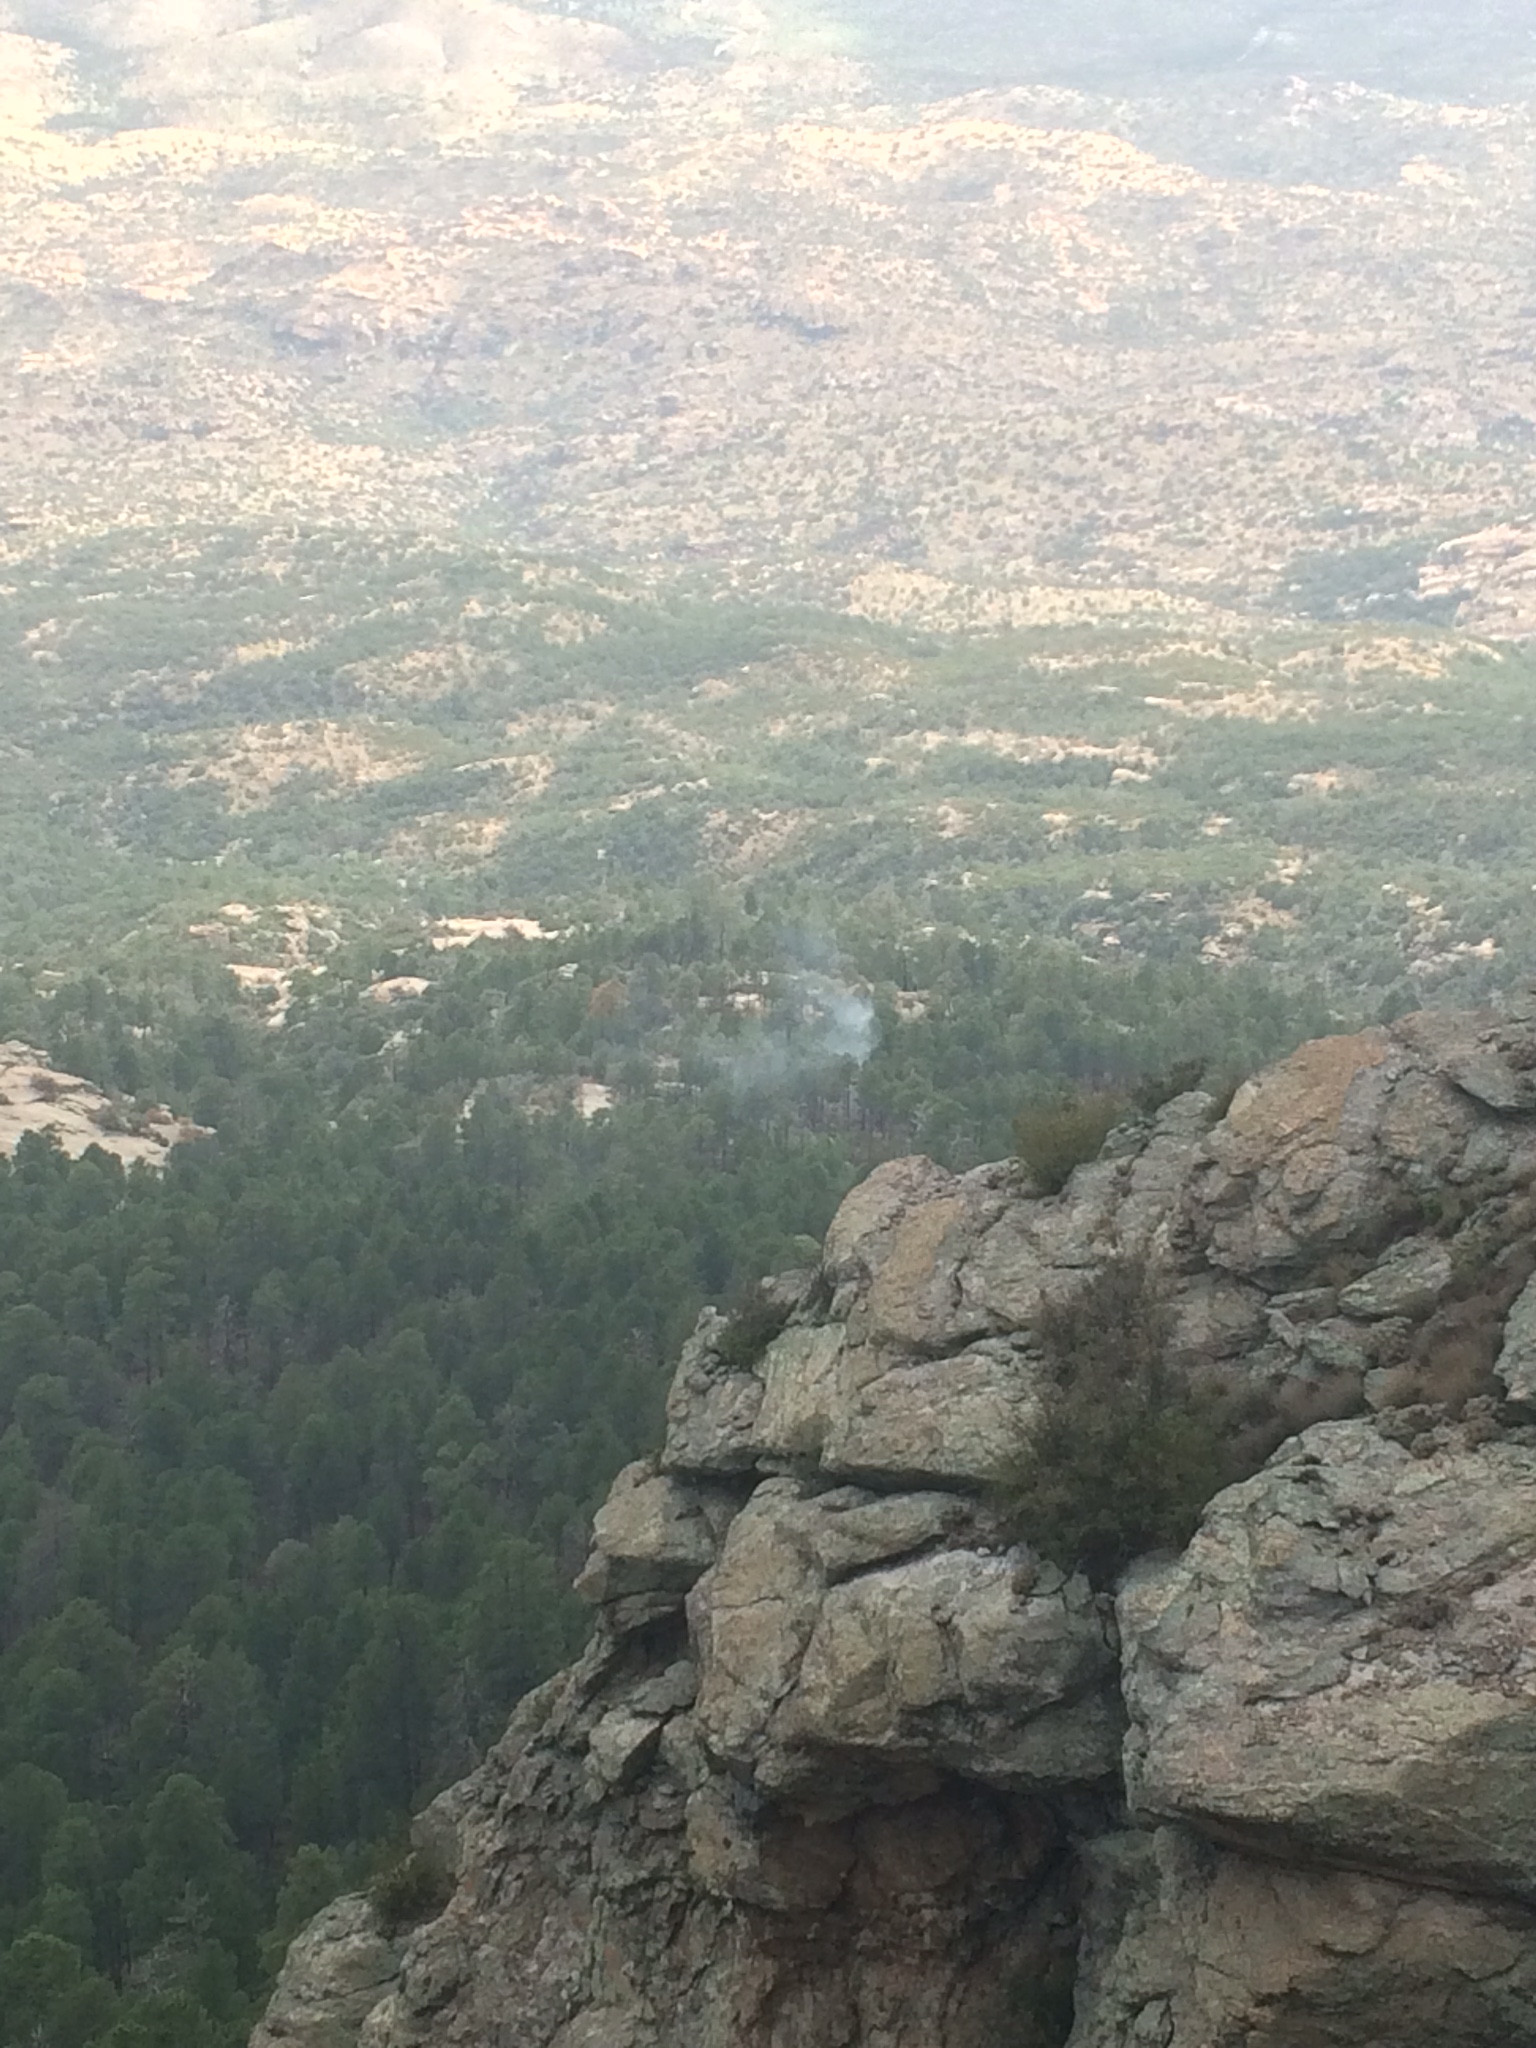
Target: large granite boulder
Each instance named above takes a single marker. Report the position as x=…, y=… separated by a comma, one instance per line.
x=336, y=1972
x=1342, y=1665
x=849, y=1641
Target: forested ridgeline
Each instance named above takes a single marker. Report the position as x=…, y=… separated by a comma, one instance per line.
x=301, y=1436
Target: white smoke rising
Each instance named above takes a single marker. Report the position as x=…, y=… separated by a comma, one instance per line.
x=816, y=1021
x=841, y=1019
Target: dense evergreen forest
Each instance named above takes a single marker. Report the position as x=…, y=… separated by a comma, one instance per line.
x=301, y=1436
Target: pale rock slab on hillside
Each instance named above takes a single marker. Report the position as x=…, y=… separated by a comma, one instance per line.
x=73, y=1113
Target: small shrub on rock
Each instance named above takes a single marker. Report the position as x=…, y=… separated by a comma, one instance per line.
x=1051, y=1138
x=413, y=1889
x=1129, y=1448
x=1154, y=1091
x=756, y=1318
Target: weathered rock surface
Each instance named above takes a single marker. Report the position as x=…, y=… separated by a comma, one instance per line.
x=940, y=1662
x=1342, y=1665
x=1186, y=1944
x=335, y=1974
x=846, y=1767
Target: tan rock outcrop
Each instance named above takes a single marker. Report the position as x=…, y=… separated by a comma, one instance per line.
x=847, y=1766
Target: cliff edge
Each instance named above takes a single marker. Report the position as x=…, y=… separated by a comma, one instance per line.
x=847, y=1765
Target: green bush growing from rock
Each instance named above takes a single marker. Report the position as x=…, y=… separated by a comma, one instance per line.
x=1129, y=1448
x=756, y=1318
x=1051, y=1138
x=414, y=1888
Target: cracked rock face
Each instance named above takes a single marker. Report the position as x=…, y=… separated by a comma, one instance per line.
x=941, y=1661
x=845, y=1767
x=1342, y=1665
x=337, y=1971
x=1190, y=1944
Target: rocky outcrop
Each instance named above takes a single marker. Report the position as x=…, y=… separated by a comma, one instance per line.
x=1187, y=1943
x=1343, y=1663
x=847, y=1766
x=337, y=1971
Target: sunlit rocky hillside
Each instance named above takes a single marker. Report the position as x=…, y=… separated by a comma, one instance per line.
x=728, y=300
x=475, y=460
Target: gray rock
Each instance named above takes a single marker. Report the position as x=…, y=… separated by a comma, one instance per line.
x=650, y=1536
x=934, y=1662
x=608, y=2026
x=621, y=1746
x=963, y=1418
x=335, y=1973
x=1294, y=1167
x=1409, y=1281
x=858, y=1529
x=762, y=1858
x=862, y=1233
x=802, y=1393
x=1471, y=1049
x=711, y=1407
x=1189, y=1946
x=1516, y=1366
x=906, y=1270
x=940, y=1661
x=1342, y=1664
x=751, y=1618
x=1335, y=1346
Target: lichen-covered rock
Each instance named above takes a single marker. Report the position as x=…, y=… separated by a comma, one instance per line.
x=1486, y=1055
x=1189, y=1946
x=712, y=1407
x=1343, y=1663
x=651, y=1539
x=960, y=1418
x=945, y=1661
x=336, y=1972
x=824, y=1671
x=1409, y=1281
x=803, y=1393
x=1293, y=1169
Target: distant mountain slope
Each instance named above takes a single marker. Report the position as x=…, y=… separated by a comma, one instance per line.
x=751, y=314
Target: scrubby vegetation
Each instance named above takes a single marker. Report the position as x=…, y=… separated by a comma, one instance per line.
x=1052, y=1138
x=402, y=732
x=413, y=1888
x=1130, y=1447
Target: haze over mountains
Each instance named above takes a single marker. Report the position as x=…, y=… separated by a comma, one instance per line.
x=1160, y=330
x=610, y=615
x=709, y=283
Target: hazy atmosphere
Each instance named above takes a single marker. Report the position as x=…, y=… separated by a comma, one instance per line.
x=767, y=842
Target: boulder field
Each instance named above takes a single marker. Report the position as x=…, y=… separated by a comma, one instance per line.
x=846, y=1765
